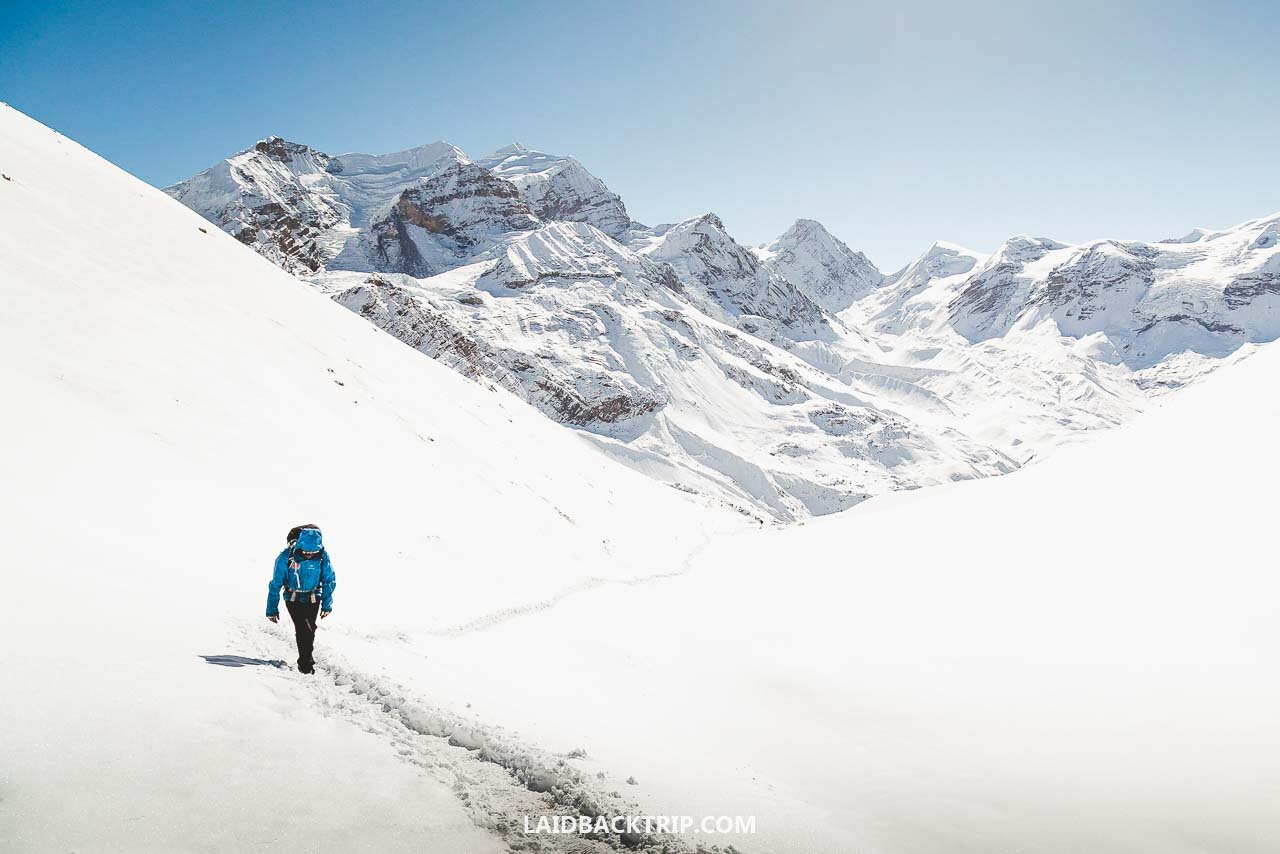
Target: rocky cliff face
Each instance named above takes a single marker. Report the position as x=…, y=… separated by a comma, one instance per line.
x=442, y=221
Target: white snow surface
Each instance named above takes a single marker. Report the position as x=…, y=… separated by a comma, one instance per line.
x=175, y=403
x=1072, y=657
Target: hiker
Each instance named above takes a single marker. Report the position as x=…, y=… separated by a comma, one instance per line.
x=305, y=576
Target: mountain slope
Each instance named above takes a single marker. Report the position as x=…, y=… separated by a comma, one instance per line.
x=439, y=223
x=175, y=403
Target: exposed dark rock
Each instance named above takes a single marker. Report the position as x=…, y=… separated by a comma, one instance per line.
x=284, y=151
x=464, y=204
x=570, y=395
x=1208, y=325
x=1245, y=289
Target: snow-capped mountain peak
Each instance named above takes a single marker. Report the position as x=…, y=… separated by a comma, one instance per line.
x=821, y=265
x=559, y=188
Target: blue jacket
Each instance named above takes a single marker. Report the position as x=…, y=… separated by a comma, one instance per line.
x=302, y=575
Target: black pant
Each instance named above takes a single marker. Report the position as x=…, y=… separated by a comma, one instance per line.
x=304, y=613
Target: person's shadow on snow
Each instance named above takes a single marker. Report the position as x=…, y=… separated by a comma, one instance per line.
x=241, y=661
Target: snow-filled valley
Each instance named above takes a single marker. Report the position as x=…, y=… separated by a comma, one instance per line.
x=1071, y=657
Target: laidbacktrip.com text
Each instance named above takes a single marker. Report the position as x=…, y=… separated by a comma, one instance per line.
x=646, y=824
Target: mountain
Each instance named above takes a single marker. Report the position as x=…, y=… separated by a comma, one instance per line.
x=676, y=349
x=790, y=380
x=1147, y=306
x=821, y=266
x=439, y=223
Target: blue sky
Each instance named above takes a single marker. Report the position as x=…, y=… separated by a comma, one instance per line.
x=895, y=124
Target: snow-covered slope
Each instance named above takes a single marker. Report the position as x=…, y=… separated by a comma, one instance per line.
x=825, y=269
x=1075, y=657
x=174, y=404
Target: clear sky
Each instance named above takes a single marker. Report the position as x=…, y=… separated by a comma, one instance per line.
x=894, y=123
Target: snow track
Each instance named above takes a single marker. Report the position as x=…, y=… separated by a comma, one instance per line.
x=499, y=780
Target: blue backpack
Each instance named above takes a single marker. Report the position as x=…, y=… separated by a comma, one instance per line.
x=306, y=561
